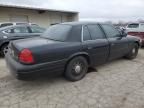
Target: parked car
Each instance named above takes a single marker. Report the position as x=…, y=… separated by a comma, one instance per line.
x=4, y=24
x=16, y=32
x=69, y=49
x=136, y=29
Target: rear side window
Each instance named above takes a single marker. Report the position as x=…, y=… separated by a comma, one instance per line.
x=110, y=31
x=96, y=32
x=75, y=34
x=86, y=34
x=37, y=29
x=133, y=26
x=21, y=30
x=58, y=32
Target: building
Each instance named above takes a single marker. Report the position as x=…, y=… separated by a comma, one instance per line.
x=41, y=16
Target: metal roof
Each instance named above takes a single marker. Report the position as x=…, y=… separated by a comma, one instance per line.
x=34, y=8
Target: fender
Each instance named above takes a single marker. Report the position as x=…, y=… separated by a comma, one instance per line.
x=78, y=54
x=139, y=43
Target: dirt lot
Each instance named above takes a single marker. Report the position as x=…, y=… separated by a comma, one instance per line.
x=119, y=84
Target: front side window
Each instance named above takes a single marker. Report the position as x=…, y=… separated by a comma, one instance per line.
x=110, y=31
x=96, y=32
x=21, y=30
x=58, y=32
x=86, y=34
x=37, y=29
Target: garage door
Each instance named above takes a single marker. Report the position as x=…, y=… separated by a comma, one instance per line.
x=55, y=18
x=19, y=18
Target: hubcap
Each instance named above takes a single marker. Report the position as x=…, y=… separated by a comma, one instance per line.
x=5, y=50
x=77, y=68
x=133, y=51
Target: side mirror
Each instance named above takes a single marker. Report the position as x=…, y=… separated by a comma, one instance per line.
x=123, y=33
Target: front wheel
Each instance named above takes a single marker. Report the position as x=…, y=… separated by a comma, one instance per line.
x=76, y=69
x=134, y=52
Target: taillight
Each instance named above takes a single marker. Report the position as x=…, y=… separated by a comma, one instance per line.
x=26, y=56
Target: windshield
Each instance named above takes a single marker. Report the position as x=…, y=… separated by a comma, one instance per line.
x=57, y=32
x=133, y=25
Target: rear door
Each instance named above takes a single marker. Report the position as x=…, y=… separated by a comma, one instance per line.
x=95, y=44
x=118, y=44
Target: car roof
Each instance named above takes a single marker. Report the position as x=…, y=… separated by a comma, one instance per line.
x=80, y=23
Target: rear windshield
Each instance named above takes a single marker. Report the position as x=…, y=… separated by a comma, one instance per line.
x=57, y=32
x=133, y=25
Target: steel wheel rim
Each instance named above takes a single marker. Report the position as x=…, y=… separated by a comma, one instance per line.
x=5, y=50
x=77, y=68
x=133, y=50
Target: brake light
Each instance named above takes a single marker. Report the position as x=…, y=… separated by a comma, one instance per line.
x=26, y=56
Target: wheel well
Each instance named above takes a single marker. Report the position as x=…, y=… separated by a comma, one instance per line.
x=83, y=55
x=137, y=43
x=6, y=43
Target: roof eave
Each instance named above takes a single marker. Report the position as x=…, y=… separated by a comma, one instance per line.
x=36, y=8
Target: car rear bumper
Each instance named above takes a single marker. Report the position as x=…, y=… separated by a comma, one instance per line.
x=21, y=71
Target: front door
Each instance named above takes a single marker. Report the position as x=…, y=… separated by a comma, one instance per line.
x=118, y=44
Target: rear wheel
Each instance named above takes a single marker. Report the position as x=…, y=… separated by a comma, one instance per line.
x=4, y=49
x=134, y=52
x=76, y=69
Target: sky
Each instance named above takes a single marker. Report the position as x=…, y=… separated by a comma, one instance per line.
x=99, y=10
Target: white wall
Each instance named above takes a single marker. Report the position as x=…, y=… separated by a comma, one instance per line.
x=43, y=19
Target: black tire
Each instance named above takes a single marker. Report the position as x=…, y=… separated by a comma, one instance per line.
x=133, y=53
x=4, y=50
x=76, y=69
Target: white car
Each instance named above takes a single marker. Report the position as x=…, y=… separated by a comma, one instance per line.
x=136, y=29
x=4, y=24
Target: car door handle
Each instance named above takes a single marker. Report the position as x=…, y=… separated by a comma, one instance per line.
x=87, y=48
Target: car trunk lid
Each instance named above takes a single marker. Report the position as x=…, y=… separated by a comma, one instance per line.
x=32, y=44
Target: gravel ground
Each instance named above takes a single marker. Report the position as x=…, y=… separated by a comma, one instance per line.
x=118, y=84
